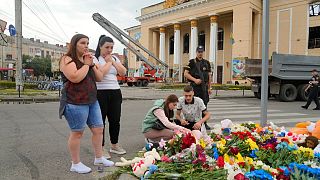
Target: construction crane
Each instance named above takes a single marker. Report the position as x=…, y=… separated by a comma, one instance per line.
x=121, y=36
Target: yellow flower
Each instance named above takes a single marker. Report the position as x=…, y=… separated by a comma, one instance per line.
x=305, y=151
x=223, y=141
x=249, y=160
x=226, y=158
x=202, y=143
x=253, y=145
x=220, y=145
x=239, y=158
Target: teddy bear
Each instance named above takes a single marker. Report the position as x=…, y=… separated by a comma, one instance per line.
x=141, y=165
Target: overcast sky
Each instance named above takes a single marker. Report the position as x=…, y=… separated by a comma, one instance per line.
x=74, y=16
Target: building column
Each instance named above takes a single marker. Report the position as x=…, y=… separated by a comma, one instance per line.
x=177, y=50
x=194, y=39
x=162, y=54
x=213, y=46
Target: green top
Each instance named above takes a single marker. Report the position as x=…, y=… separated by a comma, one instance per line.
x=150, y=118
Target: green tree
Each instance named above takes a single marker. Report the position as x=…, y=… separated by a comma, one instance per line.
x=40, y=66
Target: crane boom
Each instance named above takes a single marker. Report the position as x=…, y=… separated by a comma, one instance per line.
x=120, y=35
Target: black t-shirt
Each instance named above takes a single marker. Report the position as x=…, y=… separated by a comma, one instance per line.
x=204, y=67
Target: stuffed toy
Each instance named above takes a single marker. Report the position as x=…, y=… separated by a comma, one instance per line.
x=308, y=128
x=141, y=165
x=125, y=162
x=310, y=142
x=150, y=157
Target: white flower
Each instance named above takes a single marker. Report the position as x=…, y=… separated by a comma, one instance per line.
x=259, y=163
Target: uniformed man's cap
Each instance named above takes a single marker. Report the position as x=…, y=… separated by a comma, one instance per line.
x=200, y=49
x=314, y=70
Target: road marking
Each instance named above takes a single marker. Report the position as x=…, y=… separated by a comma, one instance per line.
x=242, y=112
x=256, y=115
x=275, y=121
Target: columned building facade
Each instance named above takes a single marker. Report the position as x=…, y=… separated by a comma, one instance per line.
x=229, y=30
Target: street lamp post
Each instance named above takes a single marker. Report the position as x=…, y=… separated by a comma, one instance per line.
x=265, y=64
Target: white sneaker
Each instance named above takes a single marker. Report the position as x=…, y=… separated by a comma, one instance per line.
x=80, y=168
x=118, y=150
x=103, y=161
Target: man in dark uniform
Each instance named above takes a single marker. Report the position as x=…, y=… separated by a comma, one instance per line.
x=313, y=84
x=198, y=72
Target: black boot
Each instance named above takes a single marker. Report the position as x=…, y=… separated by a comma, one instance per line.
x=317, y=108
x=304, y=107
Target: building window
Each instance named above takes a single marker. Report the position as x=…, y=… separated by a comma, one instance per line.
x=52, y=53
x=31, y=50
x=9, y=57
x=314, y=37
x=202, y=39
x=314, y=10
x=171, y=45
x=220, y=38
x=186, y=39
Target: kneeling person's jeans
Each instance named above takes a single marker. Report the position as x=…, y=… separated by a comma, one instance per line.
x=189, y=126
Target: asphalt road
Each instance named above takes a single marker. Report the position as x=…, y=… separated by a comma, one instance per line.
x=34, y=140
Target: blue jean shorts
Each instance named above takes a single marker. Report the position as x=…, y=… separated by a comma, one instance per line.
x=78, y=116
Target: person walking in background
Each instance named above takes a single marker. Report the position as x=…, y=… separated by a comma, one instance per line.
x=198, y=72
x=156, y=124
x=190, y=110
x=314, y=86
x=79, y=103
x=109, y=93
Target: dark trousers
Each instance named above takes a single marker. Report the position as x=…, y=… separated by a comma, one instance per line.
x=313, y=96
x=189, y=126
x=201, y=93
x=110, y=104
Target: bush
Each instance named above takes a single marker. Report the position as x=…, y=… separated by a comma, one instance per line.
x=214, y=87
x=12, y=85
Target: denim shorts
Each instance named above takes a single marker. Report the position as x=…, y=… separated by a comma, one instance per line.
x=78, y=116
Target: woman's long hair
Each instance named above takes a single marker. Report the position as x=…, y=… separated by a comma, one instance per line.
x=72, y=49
x=102, y=39
x=170, y=99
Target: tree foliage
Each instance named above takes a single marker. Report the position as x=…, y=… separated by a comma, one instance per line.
x=40, y=66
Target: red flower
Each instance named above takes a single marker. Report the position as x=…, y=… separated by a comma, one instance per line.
x=205, y=166
x=252, y=168
x=187, y=141
x=269, y=146
x=280, y=170
x=285, y=140
x=289, y=134
x=165, y=159
x=241, y=164
x=234, y=150
x=220, y=162
x=240, y=176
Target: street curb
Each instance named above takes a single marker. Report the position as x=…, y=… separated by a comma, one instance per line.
x=39, y=100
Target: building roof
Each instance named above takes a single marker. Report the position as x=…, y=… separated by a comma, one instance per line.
x=132, y=28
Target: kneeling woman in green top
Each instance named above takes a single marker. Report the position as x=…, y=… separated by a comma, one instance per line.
x=157, y=124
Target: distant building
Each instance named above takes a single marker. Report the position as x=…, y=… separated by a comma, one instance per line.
x=229, y=30
x=34, y=48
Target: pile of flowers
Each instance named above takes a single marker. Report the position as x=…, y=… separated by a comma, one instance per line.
x=237, y=151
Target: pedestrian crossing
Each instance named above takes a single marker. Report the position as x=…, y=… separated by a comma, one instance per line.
x=221, y=109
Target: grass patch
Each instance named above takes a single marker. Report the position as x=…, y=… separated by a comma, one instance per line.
x=27, y=92
x=214, y=87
